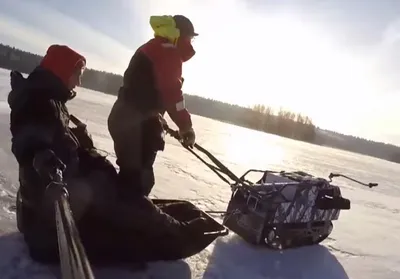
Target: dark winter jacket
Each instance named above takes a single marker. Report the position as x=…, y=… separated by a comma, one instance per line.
x=152, y=85
x=39, y=120
x=153, y=81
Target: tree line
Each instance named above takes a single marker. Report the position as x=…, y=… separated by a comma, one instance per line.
x=284, y=123
x=386, y=151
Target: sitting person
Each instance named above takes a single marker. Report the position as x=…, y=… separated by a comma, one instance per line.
x=43, y=143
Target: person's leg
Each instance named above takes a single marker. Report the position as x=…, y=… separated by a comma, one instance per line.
x=36, y=221
x=128, y=151
x=126, y=135
x=136, y=142
x=152, y=142
x=147, y=171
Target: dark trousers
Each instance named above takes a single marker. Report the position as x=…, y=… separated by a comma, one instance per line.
x=136, y=143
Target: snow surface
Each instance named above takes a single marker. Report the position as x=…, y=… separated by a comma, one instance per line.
x=365, y=242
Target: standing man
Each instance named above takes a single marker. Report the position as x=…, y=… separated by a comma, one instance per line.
x=152, y=85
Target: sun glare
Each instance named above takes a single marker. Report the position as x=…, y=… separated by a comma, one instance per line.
x=280, y=61
x=237, y=150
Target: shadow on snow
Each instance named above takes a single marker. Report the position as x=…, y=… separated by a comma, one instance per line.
x=233, y=258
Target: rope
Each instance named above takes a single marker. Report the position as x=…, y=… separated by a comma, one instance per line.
x=218, y=169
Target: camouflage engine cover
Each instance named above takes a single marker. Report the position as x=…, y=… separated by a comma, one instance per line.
x=282, y=200
x=288, y=201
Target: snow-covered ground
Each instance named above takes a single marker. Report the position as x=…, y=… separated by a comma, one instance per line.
x=365, y=243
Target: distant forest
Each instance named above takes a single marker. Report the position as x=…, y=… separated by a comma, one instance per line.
x=260, y=117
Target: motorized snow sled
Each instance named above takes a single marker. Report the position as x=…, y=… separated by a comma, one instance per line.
x=282, y=209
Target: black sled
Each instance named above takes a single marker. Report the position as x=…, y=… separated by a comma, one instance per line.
x=124, y=246
x=106, y=244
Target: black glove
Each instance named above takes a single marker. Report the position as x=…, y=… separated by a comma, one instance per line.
x=188, y=137
x=53, y=193
x=48, y=165
x=16, y=79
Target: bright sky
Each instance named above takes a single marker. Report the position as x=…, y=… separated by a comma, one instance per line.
x=337, y=61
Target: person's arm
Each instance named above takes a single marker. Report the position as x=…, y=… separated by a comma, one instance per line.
x=34, y=128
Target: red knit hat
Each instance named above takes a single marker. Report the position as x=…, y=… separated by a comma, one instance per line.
x=62, y=61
